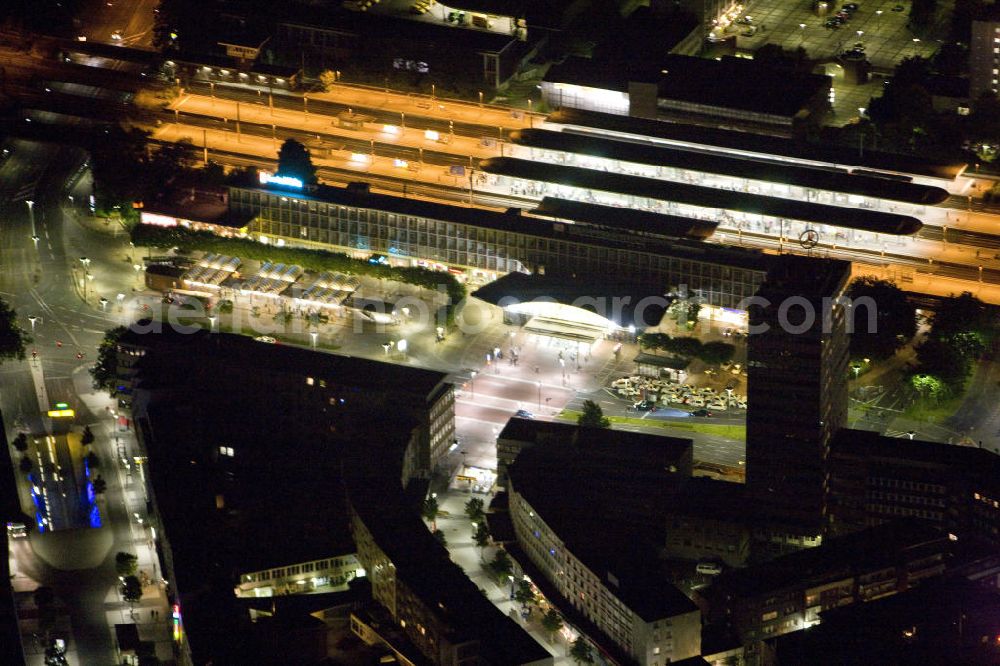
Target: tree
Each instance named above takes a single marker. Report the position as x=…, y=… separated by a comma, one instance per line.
x=593, y=416
x=87, y=438
x=922, y=13
x=126, y=564
x=474, y=509
x=21, y=442
x=894, y=321
x=441, y=539
x=654, y=341
x=502, y=566
x=580, y=651
x=481, y=536
x=716, y=353
x=45, y=600
x=131, y=590
x=929, y=387
x=523, y=594
x=327, y=79
x=430, y=511
x=552, y=622
x=100, y=485
x=170, y=160
x=13, y=339
x=294, y=161
x=104, y=372
x=92, y=460
x=225, y=306
x=957, y=314
x=683, y=346
x=25, y=465
x=939, y=358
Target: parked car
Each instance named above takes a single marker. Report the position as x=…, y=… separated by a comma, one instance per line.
x=735, y=370
x=524, y=414
x=266, y=338
x=645, y=406
x=701, y=412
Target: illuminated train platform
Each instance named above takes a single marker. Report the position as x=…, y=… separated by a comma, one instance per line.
x=677, y=163
x=732, y=142
x=624, y=220
x=538, y=179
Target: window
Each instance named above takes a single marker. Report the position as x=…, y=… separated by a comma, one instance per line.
x=310, y=381
x=226, y=451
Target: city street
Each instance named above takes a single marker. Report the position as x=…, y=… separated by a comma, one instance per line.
x=42, y=283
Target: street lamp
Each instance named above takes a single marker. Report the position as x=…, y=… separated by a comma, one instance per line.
x=104, y=304
x=137, y=267
x=802, y=33
x=472, y=384
x=539, y=396
x=31, y=216
x=32, y=319
x=211, y=323
x=313, y=335
x=90, y=278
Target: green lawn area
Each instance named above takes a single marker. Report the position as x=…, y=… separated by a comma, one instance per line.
x=937, y=411
x=734, y=432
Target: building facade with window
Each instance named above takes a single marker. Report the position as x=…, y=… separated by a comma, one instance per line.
x=329, y=574
x=874, y=479
x=482, y=245
x=984, y=58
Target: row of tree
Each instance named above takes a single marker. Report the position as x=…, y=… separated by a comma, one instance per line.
x=712, y=353
x=316, y=260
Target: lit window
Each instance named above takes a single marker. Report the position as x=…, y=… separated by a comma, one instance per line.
x=226, y=451
x=310, y=381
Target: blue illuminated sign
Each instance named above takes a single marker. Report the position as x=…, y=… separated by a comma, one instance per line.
x=287, y=181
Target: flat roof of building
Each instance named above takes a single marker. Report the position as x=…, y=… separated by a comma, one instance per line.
x=281, y=509
x=834, y=180
x=283, y=359
x=809, y=277
x=513, y=221
x=625, y=219
x=626, y=480
x=739, y=83
x=375, y=25
x=734, y=83
x=372, y=476
x=876, y=446
x=873, y=547
x=705, y=197
x=840, y=156
x=623, y=303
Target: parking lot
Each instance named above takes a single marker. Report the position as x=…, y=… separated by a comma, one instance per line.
x=883, y=32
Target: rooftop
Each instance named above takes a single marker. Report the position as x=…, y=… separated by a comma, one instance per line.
x=809, y=277
x=230, y=350
x=702, y=196
x=423, y=564
x=513, y=221
x=628, y=480
x=746, y=142
x=624, y=219
x=878, y=447
x=623, y=303
x=872, y=548
x=739, y=83
x=736, y=166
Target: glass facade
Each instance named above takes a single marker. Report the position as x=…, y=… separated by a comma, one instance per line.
x=493, y=247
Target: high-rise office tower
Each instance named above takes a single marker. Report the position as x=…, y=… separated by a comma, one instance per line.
x=797, y=365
